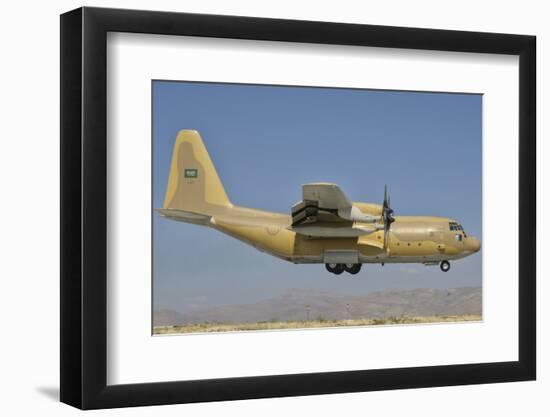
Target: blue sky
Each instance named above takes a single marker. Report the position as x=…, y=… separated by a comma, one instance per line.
x=266, y=141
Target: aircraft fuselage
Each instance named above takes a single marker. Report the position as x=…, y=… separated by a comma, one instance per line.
x=411, y=238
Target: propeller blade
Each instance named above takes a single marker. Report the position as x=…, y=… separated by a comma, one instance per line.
x=387, y=217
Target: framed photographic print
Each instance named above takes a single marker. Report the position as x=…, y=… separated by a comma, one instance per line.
x=258, y=207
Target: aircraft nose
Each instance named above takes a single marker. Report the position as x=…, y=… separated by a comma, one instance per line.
x=472, y=244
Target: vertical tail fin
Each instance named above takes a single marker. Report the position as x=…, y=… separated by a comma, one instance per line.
x=193, y=183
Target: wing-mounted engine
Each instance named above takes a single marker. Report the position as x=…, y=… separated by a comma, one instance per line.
x=310, y=211
x=325, y=211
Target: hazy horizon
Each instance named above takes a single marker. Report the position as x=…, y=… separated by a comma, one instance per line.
x=187, y=308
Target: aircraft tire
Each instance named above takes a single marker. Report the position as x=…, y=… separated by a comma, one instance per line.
x=335, y=268
x=353, y=269
x=339, y=269
x=445, y=266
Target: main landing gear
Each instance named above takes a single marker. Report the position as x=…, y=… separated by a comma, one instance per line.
x=339, y=268
x=445, y=266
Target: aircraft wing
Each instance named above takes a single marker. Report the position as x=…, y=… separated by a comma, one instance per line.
x=326, y=195
x=320, y=201
x=325, y=211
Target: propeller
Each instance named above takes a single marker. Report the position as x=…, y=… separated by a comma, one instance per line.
x=387, y=217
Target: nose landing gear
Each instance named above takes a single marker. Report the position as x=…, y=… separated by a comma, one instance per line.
x=445, y=266
x=339, y=268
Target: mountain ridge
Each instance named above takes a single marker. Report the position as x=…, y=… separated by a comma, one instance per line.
x=301, y=304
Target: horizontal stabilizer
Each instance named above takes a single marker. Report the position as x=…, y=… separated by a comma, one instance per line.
x=185, y=216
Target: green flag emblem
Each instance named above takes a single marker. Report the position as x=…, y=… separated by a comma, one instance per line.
x=190, y=173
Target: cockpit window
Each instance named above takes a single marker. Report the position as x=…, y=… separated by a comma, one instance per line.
x=455, y=226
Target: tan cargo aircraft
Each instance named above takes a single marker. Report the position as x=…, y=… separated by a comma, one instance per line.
x=325, y=227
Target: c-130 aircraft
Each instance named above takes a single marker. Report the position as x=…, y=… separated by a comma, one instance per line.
x=325, y=227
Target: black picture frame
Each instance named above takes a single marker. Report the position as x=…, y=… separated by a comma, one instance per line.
x=84, y=207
